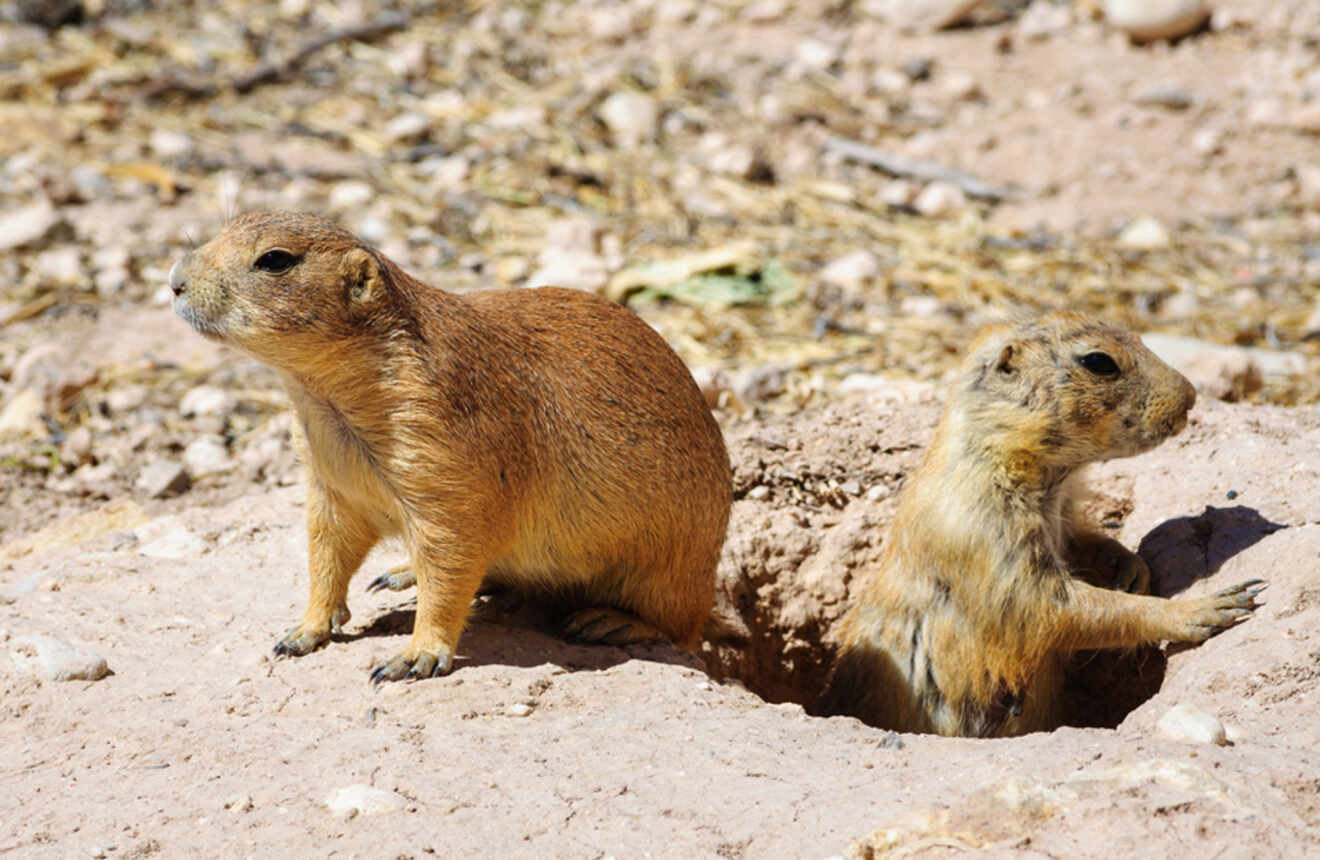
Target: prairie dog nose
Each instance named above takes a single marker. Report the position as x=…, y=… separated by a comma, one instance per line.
x=178, y=283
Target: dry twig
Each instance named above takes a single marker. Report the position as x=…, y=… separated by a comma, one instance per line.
x=927, y=171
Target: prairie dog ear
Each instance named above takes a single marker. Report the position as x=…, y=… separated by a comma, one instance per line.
x=1007, y=359
x=361, y=275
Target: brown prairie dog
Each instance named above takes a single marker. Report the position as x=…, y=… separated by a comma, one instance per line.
x=989, y=581
x=544, y=439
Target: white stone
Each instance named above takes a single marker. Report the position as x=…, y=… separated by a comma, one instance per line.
x=162, y=479
x=1308, y=184
x=631, y=117
x=939, y=198
x=851, y=269
x=920, y=14
x=720, y=155
x=22, y=415
x=814, y=55
x=207, y=455
x=1179, y=352
x=760, y=491
x=960, y=87
x=1147, y=20
x=519, y=709
x=55, y=659
x=1208, y=141
x=580, y=270
x=61, y=265
x=407, y=126
x=207, y=400
x=361, y=799
x=27, y=225
x=1230, y=376
x=166, y=144
x=1187, y=722
x=899, y=193
x=1144, y=233
x=1044, y=19
x=445, y=171
x=890, y=82
x=126, y=398
x=350, y=194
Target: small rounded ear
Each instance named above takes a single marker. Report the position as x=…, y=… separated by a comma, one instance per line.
x=1006, y=362
x=361, y=275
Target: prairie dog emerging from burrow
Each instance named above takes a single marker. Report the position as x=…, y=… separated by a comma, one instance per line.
x=544, y=438
x=989, y=580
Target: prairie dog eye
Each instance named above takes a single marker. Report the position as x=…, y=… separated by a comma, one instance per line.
x=1099, y=364
x=276, y=261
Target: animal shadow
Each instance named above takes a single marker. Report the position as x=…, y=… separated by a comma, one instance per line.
x=1103, y=687
x=507, y=629
x=1183, y=550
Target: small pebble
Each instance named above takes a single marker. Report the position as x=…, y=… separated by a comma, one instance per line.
x=520, y=709
x=1187, y=722
x=360, y=799
x=55, y=659
x=758, y=492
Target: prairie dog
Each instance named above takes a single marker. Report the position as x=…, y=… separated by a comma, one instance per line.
x=989, y=580
x=544, y=438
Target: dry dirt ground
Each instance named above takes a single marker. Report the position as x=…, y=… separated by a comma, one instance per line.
x=472, y=142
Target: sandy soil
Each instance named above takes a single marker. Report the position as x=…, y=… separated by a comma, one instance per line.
x=198, y=743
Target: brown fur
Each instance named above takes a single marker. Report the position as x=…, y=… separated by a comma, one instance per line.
x=546, y=439
x=989, y=580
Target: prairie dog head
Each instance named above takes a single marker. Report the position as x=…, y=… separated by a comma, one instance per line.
x=277, y=283
x=1069, y=389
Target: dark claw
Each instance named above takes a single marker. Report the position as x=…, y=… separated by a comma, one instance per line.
x=380, y=583
x=378, y=675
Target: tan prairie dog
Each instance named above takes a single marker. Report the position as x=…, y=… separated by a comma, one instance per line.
x=989, y=580
x=543, y=439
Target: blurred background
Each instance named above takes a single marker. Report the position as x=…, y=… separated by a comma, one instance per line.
x=805, y=198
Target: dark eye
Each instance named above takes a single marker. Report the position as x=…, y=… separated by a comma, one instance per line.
x=276, y=261
x=1099, y=364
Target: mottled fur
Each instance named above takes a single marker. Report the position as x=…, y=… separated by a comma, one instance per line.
x=989, y=580
x=545, y=438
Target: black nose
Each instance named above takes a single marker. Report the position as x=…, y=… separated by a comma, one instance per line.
x=178, y=283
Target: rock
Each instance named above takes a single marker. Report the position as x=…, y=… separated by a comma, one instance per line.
x=360, y=799
x=1306, y=119
x=851, y=269
x=126, y=398
x=61, y=265
x=1228, y=375
x=580, y=270
x=631, y=117
x=350, y=194
x=519, y=709
x=406, y=127
x=239, y=803
x=1178, y=352
x=1166, y=96
x=1148, y=20
x=920, y=14
x=55, y=659
x=1187, y=722
x=1208, y=141
x=939, y=198
x=1043, y=19
x=961, y=87
x=27, y=225
x=720, y=155
x=166, y=144
x=21, y=416
x=1144, y=234
x=162, y=479
x=890, y=82
x=1308, y=184
x=207, y=400
x=814, y=55
x=899, y=193
x=207, y=455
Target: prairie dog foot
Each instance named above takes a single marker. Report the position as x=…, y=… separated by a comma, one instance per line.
x=415, y=664
x=304, y=639
x=1222, y=610
x=397, y=578
x=609, y=626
